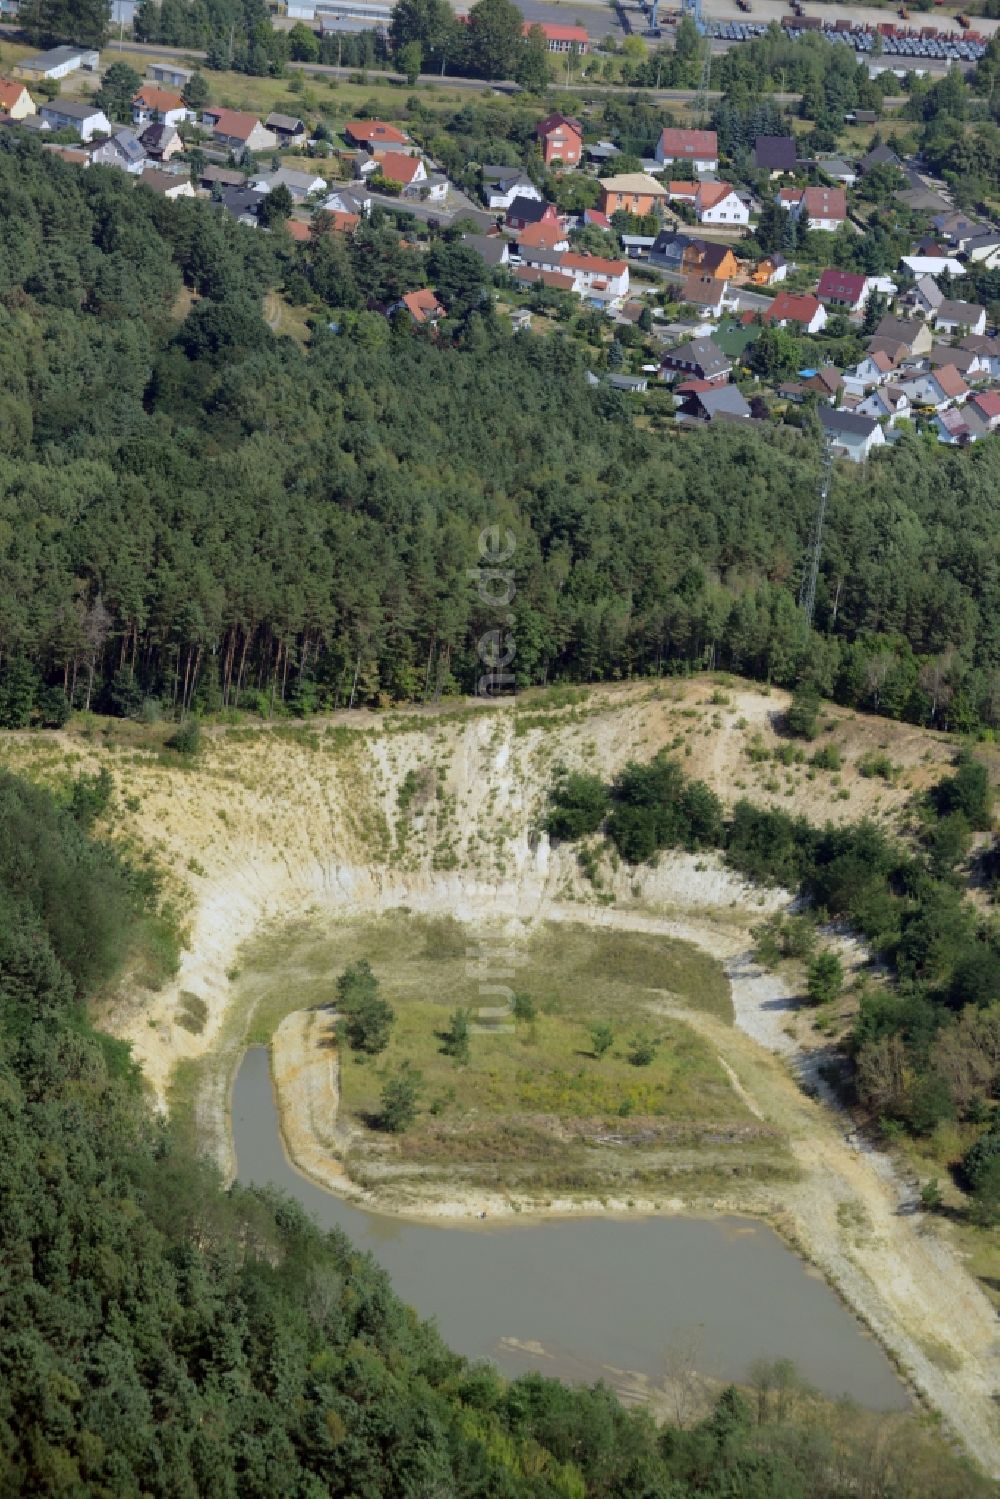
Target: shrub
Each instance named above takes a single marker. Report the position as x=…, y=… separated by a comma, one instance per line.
x=400, y=1099
x=826, y=978
x=578, y=805
x=802, y=718
x=967, y=792
x=186, y=740
x=827, y=757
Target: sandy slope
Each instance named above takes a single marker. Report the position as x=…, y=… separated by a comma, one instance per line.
x=271, y=826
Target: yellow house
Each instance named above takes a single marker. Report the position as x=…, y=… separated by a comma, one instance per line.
x=15, y=99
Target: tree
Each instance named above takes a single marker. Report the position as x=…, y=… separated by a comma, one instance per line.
x=275, y=207
x=400, y=1099
x=495, y=38
x=455, y=1040
x=532, y=70
x=802, y=718
x=430, y=23
x=409, y=60
x=83, y=22
x=368, y=1018
x=195, y=92
x=774, y=353
x=303, y=43
x=578, y=804
x=119, y=86
x=826, y=978
x=458, y=275
x=602, y=1039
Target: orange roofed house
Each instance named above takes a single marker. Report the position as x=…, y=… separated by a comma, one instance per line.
x=560, y=38
x=372, y=134
x=805, y=311
x=633, y=192
x=423, y=306
x=561, y=139
x=238, y=131
x=158, y=106
x=15, y=100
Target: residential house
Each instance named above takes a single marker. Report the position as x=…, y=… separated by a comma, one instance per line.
x=530, y=275
x=633, y=192
x=525, y=211
x=339, y=220
x=984, y=249
x=501, y=185
x=879, y=156
x=214, y=178
x=299, y=230
x=911, y=333
x=719, y=203
x=561, y=139
x=954, y=427
x=956, y=228
x=167, y=184
x=838, y=170
x=59, y=62
x=970, y=365
x=718, y=403
x=874, y=369
x=84, y=118
x=593, y=218
x=635, y=384
x=289, y=129
x=423, y=306
x=241, y=203
x=122, y=149
x=170, y=74
x=925, y=295
x=411, y=174
x=987, y=351
x=238, y=131
x=153, y=105
x=711, y=297
x=826, y=381
x=938, y=388
x=15, y=100
x=886, y=404
x=542, y=236
x=699, y=147
x=932, y=265
x=561, y=38
x=492, y=248
x=74, y=155
x=983, y=410
x=951, y=317
x=301, y=185
x=845, y=290
x=803, y=309
x=774, y=154
x=823, y=207
x=769, y=271
x=368, y=134
x=850, y=435
x=161, y=142
x=341, y=200
x=596, y=277
x=701, y=358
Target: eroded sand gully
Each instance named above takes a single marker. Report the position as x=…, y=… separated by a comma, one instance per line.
x=272, y=830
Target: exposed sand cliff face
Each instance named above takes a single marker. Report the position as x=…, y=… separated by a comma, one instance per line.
x=440, y=814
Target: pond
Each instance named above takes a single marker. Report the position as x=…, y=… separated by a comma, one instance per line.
x=589, y=1298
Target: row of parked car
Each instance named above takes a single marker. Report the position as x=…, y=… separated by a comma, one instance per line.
x=945, y=48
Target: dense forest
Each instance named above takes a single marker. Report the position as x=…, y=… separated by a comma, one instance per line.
x=926, y=1040
x=159, y=1337
x=197, y=513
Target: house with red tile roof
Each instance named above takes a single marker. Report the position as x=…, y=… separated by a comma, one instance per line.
x=699, y=147
x=713, y=202
x=983, y=410
x=560, y=38
x=368, y=134
x=423, y=306
x=824, y=207
x=158, y=106
x=847, y=291
x=15, y=100
x=542, y=236
x=561, y=139
x=803, y=309
x=398, y=166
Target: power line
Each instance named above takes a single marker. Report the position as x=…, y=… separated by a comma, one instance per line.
x=807, y=592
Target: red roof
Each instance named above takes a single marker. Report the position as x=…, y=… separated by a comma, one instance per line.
x=553, y=33
x=555, y=122
x=10, y=92
x=542, y=236
x=374, y=132
x=951, y=381
x=689, y=145
x=596, y=264
x=791, y=307
x=824, y=203
x=422, y=305
x=298, y=229
x=988, y=402
x=595, y=217
x=397, y=166
x=841, y=286
x=232, y=122
x=160, y=99
x=691, y=387
x=710, y=193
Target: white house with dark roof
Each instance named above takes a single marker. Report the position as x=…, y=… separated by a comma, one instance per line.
x=850, y=436
x=85, y=119
x=950, y=316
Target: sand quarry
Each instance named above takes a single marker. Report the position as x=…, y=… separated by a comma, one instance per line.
x=274, y=823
